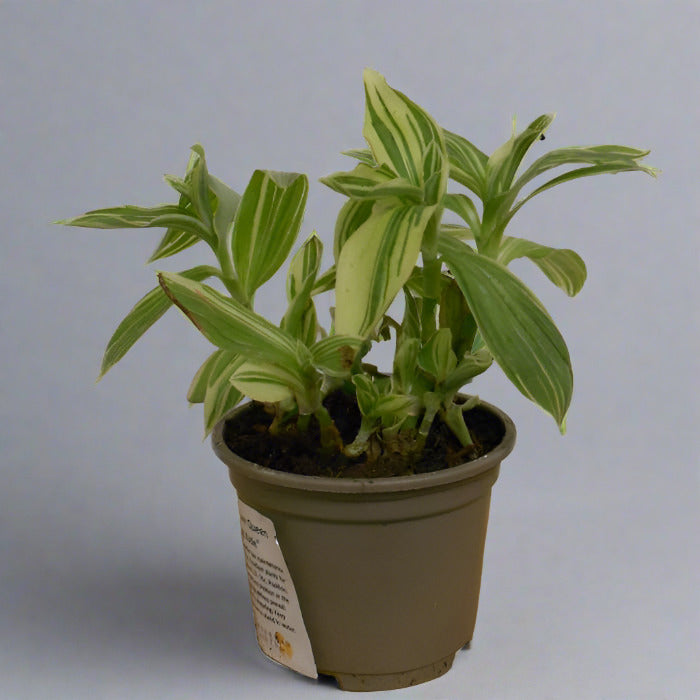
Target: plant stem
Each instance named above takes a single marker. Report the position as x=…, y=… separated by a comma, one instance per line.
x=330, y=436
x=432, y=268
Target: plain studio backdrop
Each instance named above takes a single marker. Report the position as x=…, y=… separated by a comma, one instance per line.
x=121, y=572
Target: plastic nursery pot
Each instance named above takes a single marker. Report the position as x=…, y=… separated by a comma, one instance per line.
x=373, y=581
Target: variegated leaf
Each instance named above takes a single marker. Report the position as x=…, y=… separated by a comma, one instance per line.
x=220, y=396
x=516, y=328
x=198, y=386
x=300, y=282
x=128, y=216
x=174, y=241
x=144, y=314
x=563, y=266
x=589, y=155
x=463, y=206
x=365, y=182
x=227, y=203
x=374, y=264
x=503, y=163
x=351, y=216
x=266, y=226
x=610, y=168
x=401, y=135
x=198, y=177
x=364, y=155
x=230, y=325
x=468, y=367
x=467, y=163
x=335, y=354
x=264, y=382
x=436, y=357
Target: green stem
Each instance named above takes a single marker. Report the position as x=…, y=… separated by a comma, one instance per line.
x=330, y=437
x=432, y=268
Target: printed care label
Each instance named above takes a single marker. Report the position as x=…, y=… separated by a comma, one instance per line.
x=278, y=622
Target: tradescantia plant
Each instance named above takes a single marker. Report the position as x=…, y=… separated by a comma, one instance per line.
x=462, y=307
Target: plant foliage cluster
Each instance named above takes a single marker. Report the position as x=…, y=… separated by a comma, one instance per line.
x=463, y=308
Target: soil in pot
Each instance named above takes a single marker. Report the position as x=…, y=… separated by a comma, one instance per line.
x=294, y=452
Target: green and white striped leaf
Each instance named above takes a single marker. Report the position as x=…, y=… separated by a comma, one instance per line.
x=365, y=182
x=144, y=314
x=128, y=216
x=454, y=314
x=467, y=163
x=220, y=399
x=504, y=162
x=515, y=327
x=229, y=325
x=463, y=206
x=200, y=381
x=304, y=267
x=212, y=387
x=405, y=363
x=325, y=282
x=227, y=203
x=174, y=241
x=563, y=266
x=335, y=354
x=364, y=155
x=469, y=367
x=267, y=224
x=374, y=264
x=436, y=357
x=611, y=168
x=264, y=382
x=400, y=135
x=351, y=216
x=198, y=178
x=609, y=155
x=300, y=282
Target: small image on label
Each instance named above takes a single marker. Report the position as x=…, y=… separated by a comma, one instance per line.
x=278, y=623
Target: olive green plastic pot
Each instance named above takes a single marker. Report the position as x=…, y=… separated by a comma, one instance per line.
x=387, y=571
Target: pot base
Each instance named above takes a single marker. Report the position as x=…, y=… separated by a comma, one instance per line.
x=392, y=681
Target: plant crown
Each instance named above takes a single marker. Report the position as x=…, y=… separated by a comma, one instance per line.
x=462, y=308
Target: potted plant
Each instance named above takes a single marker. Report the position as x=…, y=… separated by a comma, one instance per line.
x=363, y=494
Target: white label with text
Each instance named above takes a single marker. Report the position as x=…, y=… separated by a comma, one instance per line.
x=278, y=622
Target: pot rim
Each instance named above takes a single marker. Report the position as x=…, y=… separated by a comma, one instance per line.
x=327, y=484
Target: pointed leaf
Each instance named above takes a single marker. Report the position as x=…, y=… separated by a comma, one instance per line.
x=374, y=264
x=436, y=357
x=229, y=325
x=200, y=381
x=606, y=168
x=351, y=216
x=267, y=224
x=300, y=282
x=335, y=354
x=505, y=160
x=174, y=241
x=198, y=176
x=364, y=155
x=400, y=134
x=264, y=382
x=562, y=266
x=220, y=396
x=144, y=314
x=467, y=163
x=227, y=203
x=463, y=206
x=128, y=216
x=469, y=367
x=365, y=182
x=517, y=330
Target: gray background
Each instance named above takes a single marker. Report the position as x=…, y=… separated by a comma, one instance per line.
x=121, y=573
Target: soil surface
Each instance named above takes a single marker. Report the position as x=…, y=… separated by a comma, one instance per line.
x=299, y=453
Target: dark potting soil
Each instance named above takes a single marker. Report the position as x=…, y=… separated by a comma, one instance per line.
x=295, y=452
